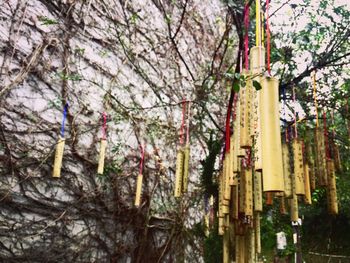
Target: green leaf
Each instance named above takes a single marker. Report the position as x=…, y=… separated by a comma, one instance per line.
x=47, y=21
x=235, y=86
x=256, y=85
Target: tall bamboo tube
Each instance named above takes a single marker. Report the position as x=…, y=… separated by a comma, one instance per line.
x=227, y=169
x=307, y=197
x=248, y=188
x=58, y=158
x=232, y=174
x=186, y=168
x=272, y=162
x=294, y=208
x=179, y=172
x=286, y=171
x=240, y=254
x=138, y=190
x=250, y=246
x=311, y=161
x=332, y=189
x=226, y=248
x=321, y=157
x=298, y=167
x=258, y=207
x=257, y=58
x=257, y=232
x=234, y=202
x=246, y=111
x=101, y=160
x=242, y=192
x=237, y=133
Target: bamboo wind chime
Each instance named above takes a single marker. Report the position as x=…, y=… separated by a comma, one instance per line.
x=103, y=145
x=140, y=178
x=183, y=155
x=60, y=147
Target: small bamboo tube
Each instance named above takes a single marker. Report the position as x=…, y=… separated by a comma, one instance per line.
x=272, y=163
x=101, y=160
x=138, y=190
x=221, y=226
x=186, y=169
x=248, y=188
x=179, y=172
x=245, y=110
x=258, y=207
x=269, y=198
x=307, y=197
x=234, y=202
x=232, y=174
x=283, y=210
x=240, y=254
x=294, y=213
x=311, y=162
x=257, y=233
x=58, y=158
x=298, y=167
x=286, y=171
x=332, y=189
x=257, y=58
x=321, y=158
x=337, y=159
x=226, y=247
x=227, y=169
x=241, y=192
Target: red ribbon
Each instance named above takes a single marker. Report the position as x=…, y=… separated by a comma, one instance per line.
x=142, y=158
x=268, y=37
x=246, y=37
x=104, y=126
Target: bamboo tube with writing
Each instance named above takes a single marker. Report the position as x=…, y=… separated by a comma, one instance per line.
x=286, y=172
x=248, y=188
x=321, y=157
x=298, y=167
x=257, y=232
x=179, y=173
x=186, y=168
x=245, y=110
x=258, y=207
x=307, y=197
x=332, y=189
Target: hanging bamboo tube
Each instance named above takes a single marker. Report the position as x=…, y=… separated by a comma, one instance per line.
x=250, y=246
x=234, y=202
x=226, y=247
x=179, y=172
x=298, y=175
x=232, y=163
x=248, y=188
x=240, y=251
x=257, y=58
x=307, y=197
x=272, y=163
x=258, y=207
x=286, y=171
x=242, y=192
x=186, y=168
x=311, y=162
x=138, y=190
x=58, y=158
x=294, y=213
x=101, y=159
x=321, y=157
x=245, y=109
x=257, y=232
x=332, y=189
x=227, y=175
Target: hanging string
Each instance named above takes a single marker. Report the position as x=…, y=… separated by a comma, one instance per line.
x=315, y=97
x=246, y=37
x=142, y=148
x=295, y=115
x=188, y=124
x=268, y=36
x=182, y=132
x=325, y=132
x=104, y=126
x=64, y=119
x=257, y=23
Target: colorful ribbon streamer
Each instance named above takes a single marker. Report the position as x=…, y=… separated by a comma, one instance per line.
x=64, y=119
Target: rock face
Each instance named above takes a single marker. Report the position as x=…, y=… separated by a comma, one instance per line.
x=136, y=61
